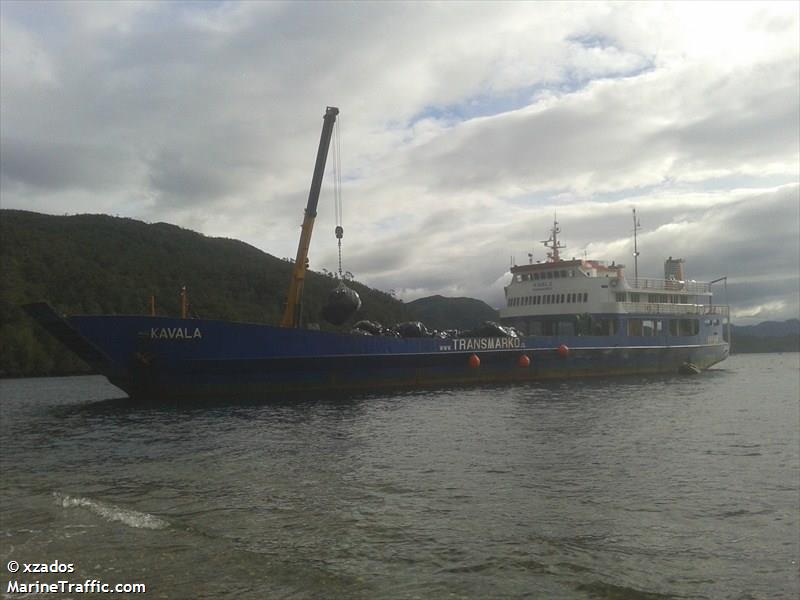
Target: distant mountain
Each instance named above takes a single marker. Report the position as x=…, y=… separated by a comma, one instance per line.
x=769, y=336
x=439, y=312
x=98, y=264
x=769, y=329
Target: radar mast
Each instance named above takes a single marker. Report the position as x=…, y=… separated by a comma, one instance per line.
x=552, y=243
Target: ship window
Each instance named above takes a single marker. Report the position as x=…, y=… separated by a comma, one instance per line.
x=566, y=328
x=635, y=327
x=673, y=327
x=716, y=321
x=549, y=328
x=563, y=273
x=556, y=274
x=620, y=296
x=572, y=272
x=648, y=327
x=708, y=321
x=689, y=326
x=601, y=326
x=562, y=298
x=536, y=276
x=585, y=297
x=684, y=299
x=549, y=274
x=535, y=328
x=634, y=297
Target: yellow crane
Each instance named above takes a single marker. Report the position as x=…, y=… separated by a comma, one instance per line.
x=294, y=300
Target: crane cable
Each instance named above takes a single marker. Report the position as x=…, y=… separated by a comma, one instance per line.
x=337, y=189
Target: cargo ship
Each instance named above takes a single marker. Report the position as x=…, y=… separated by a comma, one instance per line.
x=561, y=319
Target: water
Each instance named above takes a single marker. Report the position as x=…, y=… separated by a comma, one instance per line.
x=659, y=487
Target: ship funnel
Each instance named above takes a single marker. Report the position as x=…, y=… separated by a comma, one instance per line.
x=673, y=269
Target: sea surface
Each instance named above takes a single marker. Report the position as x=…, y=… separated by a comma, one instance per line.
x=640, y=487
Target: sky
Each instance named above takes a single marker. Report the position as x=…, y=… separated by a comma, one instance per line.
x=464, y=129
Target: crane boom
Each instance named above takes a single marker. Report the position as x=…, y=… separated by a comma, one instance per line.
x=294, y=299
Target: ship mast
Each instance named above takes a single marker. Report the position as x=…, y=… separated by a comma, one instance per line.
x=636, y=227
x=552, y=243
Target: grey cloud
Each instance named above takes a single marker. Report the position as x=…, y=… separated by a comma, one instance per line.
x=54, y=165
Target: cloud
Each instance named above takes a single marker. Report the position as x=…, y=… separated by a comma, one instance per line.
x=464, y=127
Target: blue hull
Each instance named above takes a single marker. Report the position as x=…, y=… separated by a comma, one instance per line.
x=160, y=357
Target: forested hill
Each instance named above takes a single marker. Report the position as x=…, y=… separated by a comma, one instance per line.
x=451, y=313
x=98, y=264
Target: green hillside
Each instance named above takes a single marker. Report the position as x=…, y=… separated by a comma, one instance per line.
x=97, y=264
x=438, y=312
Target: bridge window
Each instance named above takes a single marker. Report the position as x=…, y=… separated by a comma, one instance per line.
x=634, y=297
x=585, y=297
x=620, y=296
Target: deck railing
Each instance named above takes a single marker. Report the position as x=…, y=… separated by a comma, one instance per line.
x=670, y=285
x=675, y=309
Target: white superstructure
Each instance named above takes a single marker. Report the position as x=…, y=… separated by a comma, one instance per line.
x=580, y=286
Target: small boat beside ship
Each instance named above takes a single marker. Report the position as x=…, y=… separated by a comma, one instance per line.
x=561, y=319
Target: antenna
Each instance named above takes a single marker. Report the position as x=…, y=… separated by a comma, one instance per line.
x=636, y=226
